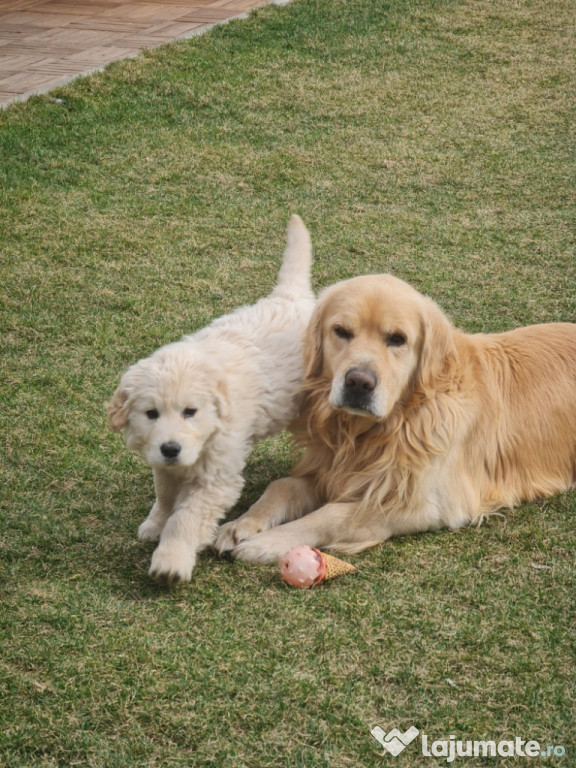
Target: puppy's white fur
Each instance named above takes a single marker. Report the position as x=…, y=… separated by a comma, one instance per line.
x=194, y=409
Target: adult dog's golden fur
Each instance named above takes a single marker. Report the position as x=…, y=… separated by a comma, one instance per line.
x=411, y=425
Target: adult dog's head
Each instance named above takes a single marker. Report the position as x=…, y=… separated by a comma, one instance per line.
x=375, y=340
x=169, y=405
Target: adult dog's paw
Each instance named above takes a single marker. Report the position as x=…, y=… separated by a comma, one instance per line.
x=233, y=533
x=172, y=564
x=267, y=547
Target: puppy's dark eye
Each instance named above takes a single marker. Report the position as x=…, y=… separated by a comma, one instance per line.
x=153, y=414
x=189, y=412
x=396, y=340
x=342, y=333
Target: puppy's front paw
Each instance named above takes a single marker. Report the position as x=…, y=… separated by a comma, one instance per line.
x=173, y=563
x=149, y=530
x=231, y=534
x=267, y=547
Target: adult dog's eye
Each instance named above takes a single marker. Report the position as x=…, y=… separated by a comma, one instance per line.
x=153, y=414
x=342, y=333
x=396, y=340
x=189, y=412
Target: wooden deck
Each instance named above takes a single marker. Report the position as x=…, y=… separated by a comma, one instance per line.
x=46, y=43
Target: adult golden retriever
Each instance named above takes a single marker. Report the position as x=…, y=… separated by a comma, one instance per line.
x=412, y=425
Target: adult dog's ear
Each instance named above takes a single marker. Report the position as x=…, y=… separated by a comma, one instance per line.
x=312, y=344
x=438, y=352
x=117, y=410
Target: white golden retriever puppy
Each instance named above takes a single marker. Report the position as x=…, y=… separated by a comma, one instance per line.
x=195, y=408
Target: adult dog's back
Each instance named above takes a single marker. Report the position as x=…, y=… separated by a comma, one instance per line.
x=524, y=444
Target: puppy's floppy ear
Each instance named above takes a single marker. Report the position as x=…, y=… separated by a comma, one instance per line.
x=117, y=410
x=222, y=400
x=438, y=351
x=312, y=344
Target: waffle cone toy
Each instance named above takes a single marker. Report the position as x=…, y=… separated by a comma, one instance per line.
x=305, y=566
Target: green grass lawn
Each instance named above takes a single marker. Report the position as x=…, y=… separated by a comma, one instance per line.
x=434, y=140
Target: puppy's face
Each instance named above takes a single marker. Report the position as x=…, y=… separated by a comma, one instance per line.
x=367, y=337
x=168, y=406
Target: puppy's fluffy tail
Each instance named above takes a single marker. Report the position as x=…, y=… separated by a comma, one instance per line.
x=294, y=277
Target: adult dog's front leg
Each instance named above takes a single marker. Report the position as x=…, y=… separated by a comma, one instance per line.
x=191, y=528
x=332, y=526
x=283, y=500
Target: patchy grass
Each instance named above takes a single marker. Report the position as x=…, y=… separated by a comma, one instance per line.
x=431, y=140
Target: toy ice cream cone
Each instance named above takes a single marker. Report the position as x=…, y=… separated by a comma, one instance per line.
x=335, y=566
x=305, y=566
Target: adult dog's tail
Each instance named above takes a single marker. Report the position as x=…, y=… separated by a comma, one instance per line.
x=294, y=277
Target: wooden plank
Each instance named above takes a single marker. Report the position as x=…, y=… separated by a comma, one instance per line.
x=208, y=15
x=24, y=81
x=74, y=9
x=27, y=49
x=7, y=34
x=6, y=6
x=15, y=64
x=174, y=30
x=98, y=57
x=146, y=11
x=23, y=20
x=110, y=25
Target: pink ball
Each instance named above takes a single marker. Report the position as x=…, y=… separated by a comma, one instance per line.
x=302, y=566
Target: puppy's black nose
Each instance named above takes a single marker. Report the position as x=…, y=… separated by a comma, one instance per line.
x=360, y=380
x=170, y=450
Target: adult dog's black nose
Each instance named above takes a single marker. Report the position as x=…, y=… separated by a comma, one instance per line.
x=360, y=380
x=170, y=450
